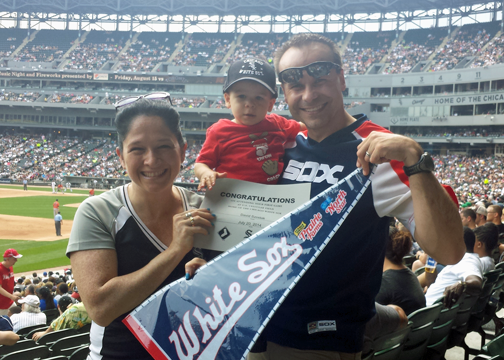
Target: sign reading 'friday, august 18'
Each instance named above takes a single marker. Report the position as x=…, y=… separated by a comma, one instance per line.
x=220, y=313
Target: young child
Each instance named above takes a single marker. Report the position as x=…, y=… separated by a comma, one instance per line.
x=251, y=146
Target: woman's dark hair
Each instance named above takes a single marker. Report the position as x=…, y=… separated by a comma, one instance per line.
x=160, y=108
x=46, y=294
x=398, y=245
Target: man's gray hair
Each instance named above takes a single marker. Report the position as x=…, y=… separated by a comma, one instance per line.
x=31, y=309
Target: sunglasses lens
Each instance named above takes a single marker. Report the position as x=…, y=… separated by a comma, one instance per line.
x=290, y=76
x=320, y=69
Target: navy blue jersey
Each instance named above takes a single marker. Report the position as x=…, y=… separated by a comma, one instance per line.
x=329, y=307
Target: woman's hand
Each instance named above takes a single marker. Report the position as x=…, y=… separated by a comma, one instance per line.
x=188, y=224
x=192, y=266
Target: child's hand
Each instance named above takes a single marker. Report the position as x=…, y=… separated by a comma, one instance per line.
x=208, y=179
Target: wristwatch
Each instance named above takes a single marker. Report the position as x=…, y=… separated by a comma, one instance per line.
x=425, y=164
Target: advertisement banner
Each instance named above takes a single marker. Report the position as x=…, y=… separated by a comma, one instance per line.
x=220, y=313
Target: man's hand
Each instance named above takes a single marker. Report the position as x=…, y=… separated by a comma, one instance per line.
x=14, y=298
x=380, y=147
x=452, y=294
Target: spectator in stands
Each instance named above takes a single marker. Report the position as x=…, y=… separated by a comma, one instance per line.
x=399, y=285
x=481, y=214
x=61, y=290
x=47, y=301
x=29, y=290
x=464, y=277
x=494, y=215
x=487, y=238
x=71, y=317
x=7, y=298
x=250, y=95
x=30, y=314
x=309, y=69
x=468, y=217
x=113, y=282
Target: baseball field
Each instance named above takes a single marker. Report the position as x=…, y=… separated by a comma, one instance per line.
x=27, y=225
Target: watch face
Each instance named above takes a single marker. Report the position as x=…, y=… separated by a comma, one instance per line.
x=427, y=164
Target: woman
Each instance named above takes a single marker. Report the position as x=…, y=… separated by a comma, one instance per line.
x=47, y=300
x=128, y=242
x=399, y=285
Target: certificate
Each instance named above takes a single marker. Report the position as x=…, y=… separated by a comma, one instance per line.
x=243, y=208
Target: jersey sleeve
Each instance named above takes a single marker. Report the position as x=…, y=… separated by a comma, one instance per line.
x=92, y=227
x=210, y=152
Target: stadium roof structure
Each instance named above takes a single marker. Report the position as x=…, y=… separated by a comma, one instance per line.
x=231, y=7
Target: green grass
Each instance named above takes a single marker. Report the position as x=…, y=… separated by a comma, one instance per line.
x=38, y=255
x=49, y=189
x=39, y=206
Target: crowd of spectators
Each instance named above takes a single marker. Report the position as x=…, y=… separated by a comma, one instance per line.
x=27, y=96
x=144, y=56
x=476, y=177
x=251, y=48
x=356, y=60
x=211, y=50
x=404, y=57
x=464, y=44
x=39, y=53
x=492, y=55
x=93, y=56
x=183, y=102
x=69, y=98
x=461, y=132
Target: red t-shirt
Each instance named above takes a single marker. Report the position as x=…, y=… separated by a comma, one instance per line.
x=252, y=153
x=7, y=284
x=55, y=205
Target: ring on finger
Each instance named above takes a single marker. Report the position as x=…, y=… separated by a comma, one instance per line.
x=192, y=220
x=368, y=154
x=188, y=214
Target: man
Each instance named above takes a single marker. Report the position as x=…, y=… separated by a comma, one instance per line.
x=487, y=238
x=468, y=217
x=91, y=192
x=30, y=313
x=55, y=206
x=68, y=186
x=465, y=276
x=328, y=309
x=71, y=317
x=58, y=221
x=481, y=214
x=53, y=185
x=25, y=185
x=7, y=297
x=494, y=215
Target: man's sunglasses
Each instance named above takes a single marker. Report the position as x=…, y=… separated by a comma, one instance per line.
x=316, y=70
x=131, y=99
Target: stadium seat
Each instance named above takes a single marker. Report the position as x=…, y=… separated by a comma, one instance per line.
x=68, y=345
x=24, y=331
x=459, y=327
x=408, y=260
x=60, y=357
x=420, y=271
x=20, y=345
x=38, y=352
x=389, y=346
x=423, y=322
x=30, y=334
x=84, y=329
x=52, y=337
x=495, y=347
x=436, y=346
x=51, y=314
x=80, y=354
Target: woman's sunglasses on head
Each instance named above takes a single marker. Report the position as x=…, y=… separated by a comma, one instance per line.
x=131, y=99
